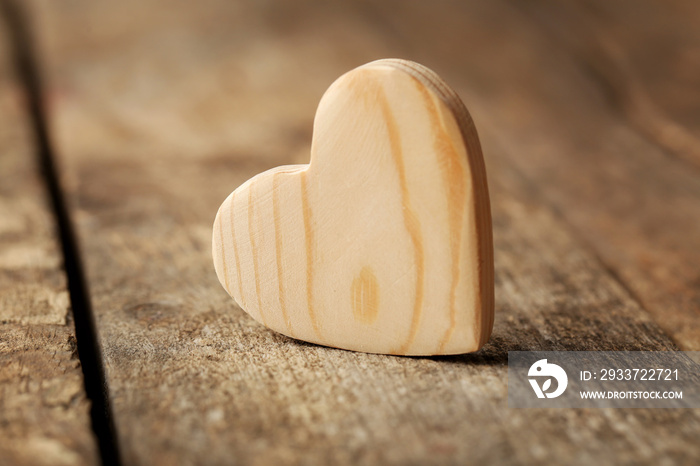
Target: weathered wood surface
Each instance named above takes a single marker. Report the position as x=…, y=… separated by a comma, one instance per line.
x=43, y=409
x=165, y=108
x=644, y=55
x=642, y=151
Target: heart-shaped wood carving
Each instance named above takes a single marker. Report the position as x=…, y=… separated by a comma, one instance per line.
x=383, y=242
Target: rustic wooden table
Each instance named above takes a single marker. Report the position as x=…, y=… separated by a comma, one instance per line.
x=589, y=115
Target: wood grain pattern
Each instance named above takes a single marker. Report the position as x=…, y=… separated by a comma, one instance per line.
x=159, y=113
x=44, y=416
x=388, y=147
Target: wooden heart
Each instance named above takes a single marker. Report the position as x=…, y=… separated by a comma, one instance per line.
x=382, y=243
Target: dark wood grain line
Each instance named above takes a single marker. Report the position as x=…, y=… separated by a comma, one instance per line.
x=309, y=243
x=223, y=253
x=453, y=181
x=236, y=255
x=410, y=218
x=252, y=236
x=279, y=252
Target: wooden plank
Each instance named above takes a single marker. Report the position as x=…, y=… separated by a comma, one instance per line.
x=162, y=110
x=647, y=71
x=43, y=408
x=644, y=54
x=625, y=195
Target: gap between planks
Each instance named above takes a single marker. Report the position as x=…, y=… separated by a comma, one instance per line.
x=89, y=350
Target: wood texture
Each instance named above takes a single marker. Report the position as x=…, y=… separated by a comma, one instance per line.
x=164, y=107
x=646, y=62
x=642, y=148
x=44, y=416
x=383, y=242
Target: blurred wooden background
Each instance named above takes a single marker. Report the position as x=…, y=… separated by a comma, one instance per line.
x=589, y=114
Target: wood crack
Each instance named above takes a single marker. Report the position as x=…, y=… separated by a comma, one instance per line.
x=89, y=350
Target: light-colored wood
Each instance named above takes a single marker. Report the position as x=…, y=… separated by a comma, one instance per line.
x=44, y=413
x=383, y=242
x=162, y=107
